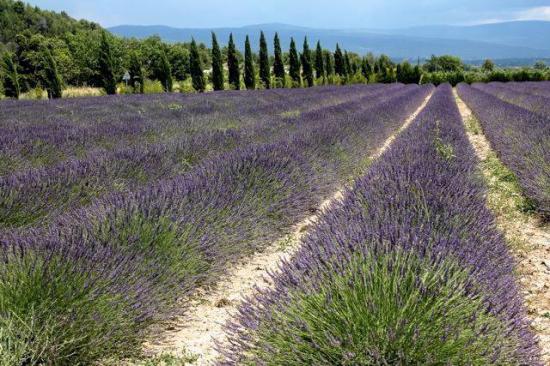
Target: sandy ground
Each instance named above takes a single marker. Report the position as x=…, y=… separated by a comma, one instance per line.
x=202, y=325
x=530, y=243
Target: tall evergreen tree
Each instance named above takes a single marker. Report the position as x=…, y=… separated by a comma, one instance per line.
x=307, y=67
x=106, y=65
x=294, y=61
x=339, y=62
x=329, y=64
x=11, y=76
x=347, y=64
x=278, y=63
x=249, y=71
x=264, y=62
x=54, y=85
x=165, y=72
x=233, y=64
x=137, y=76
x=195, y=63
x=366, y=68
x=217, y=64
x=319, y=63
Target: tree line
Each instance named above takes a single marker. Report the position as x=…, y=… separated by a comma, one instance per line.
x=34, y=65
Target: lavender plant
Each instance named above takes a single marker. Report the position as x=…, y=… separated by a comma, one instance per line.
x=521, y=139
x=123, y=260
x=407, y=269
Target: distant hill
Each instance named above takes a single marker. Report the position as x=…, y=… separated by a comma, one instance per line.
x=531, y=34
x=517, y=40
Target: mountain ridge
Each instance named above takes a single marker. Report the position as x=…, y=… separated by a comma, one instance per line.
x=479, y=42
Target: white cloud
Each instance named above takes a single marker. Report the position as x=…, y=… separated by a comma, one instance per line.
x=538, y=13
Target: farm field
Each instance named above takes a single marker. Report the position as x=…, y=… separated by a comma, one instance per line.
x=335, y=225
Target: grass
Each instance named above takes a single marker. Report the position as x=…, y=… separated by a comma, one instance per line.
x=386, y=309
x=505, y=197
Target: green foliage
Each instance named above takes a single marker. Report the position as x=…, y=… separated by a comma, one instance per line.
x=278, y=64
x=407, y=74
x=165, y=72
x=445, y=63
x=178, y=55
x=488, y=65
x=39, y=323
x=137, y=76
x=339, y=62
x=328, y=61
x=249, y=70
x=54, y=84
x=319, y=62
x=11, y=76
x=294, y=65
x=265, y=74
x=307, y=66
x=217, y=64
x=392, y=308
x=197, y=74
x=233, y=65
x=106, y=65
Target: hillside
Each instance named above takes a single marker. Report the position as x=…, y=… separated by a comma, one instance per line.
x=17, y=17
x=414, y=43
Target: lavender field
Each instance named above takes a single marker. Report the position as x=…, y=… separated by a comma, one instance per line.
x=116, y=210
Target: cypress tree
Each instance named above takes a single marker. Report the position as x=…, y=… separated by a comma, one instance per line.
x=347, y=64
x=166, y=72
x=339, y=63
x=106, y=65
x=319, y=63
x=11, y=76
x=195, y=64
x=136, y=73
x=217, y=64
x=294, y=62
x=307, y=67
x=233, y=64
x=366, y=68
x=249, y=72
x=53, y=80
x=278, y=64
x=329, y=65
x=264, y=63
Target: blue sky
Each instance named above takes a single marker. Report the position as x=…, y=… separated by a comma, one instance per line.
x=313, y=13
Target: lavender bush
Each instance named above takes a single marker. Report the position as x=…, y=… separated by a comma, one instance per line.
x=121, y=261
x=535, y=103
x=29, y=196
x=521, y=139
x=407, y=269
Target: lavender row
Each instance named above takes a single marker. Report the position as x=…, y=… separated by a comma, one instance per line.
x=534, y=103
x=161, y=242
x=407, y=269
x=521, y=139
x=29, y=197
x=541, y=88
x=44, y=132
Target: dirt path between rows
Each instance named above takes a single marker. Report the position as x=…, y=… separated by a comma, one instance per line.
x=197, y=331
x=528, y=237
